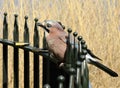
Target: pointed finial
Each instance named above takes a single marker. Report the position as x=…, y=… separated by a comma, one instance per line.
x=69, y=30
x=46, y=86
x=82, y=57
x=78, y=63
x=75, y=34
x=72, y=71
x=5, y=14
x=16, y=15
x=61, y=78
x=83, y=42
x=26, y=17
x=79, y=38
x=35, y=19
x=84, y=46
x=84, y=51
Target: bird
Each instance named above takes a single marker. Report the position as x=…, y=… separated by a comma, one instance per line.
x=56, y=39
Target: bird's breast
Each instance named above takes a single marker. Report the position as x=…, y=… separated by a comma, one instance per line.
x=57, y=47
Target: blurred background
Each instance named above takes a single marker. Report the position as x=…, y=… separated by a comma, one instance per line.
x=98, y=21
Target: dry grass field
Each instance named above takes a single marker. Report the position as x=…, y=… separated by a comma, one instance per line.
x=98, y=21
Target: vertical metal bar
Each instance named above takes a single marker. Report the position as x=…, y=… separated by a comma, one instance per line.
x=26, y=55
x=75, y=34
x=36, y=56
x=5, y=27
x=16, y=53
x=78, y=75
x=46, y=65
x=85, y=80
x=79, y=62
x=84, y=68
x=75, y=56
x=5, y=53
x=72, y=78
x=68, y=56
x=61, y=80
x=44, y=41
x=79, y=45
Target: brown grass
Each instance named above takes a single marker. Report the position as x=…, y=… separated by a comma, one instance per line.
x=98, y=21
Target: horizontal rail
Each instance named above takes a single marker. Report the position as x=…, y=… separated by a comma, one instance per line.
x=29, y=48
x=39, y=51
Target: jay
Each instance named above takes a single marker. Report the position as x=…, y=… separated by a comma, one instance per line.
x=56, y=39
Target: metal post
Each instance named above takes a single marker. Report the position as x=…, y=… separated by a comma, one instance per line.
x=16, y=53
x=26, y=55
x=5, y=53
x=36, y=56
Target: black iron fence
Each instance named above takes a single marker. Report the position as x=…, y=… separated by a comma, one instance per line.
x=74, y=74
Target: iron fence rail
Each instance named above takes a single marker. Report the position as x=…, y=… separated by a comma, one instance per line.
x=75, y=73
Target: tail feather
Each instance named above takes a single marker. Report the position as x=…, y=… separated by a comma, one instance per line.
x=104, y=68
x=91, y=54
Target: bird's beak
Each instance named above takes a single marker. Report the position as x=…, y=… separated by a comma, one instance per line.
x=43, y=26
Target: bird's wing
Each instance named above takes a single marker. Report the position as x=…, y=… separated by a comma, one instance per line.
x=64, y=37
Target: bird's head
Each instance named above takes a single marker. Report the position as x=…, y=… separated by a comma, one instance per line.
x=51, y=26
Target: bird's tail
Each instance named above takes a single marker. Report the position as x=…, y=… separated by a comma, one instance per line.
x=104, y=68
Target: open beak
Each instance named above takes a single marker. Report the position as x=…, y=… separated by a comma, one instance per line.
x=43, y=26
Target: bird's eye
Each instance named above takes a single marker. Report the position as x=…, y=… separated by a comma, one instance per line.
x=48, y=25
